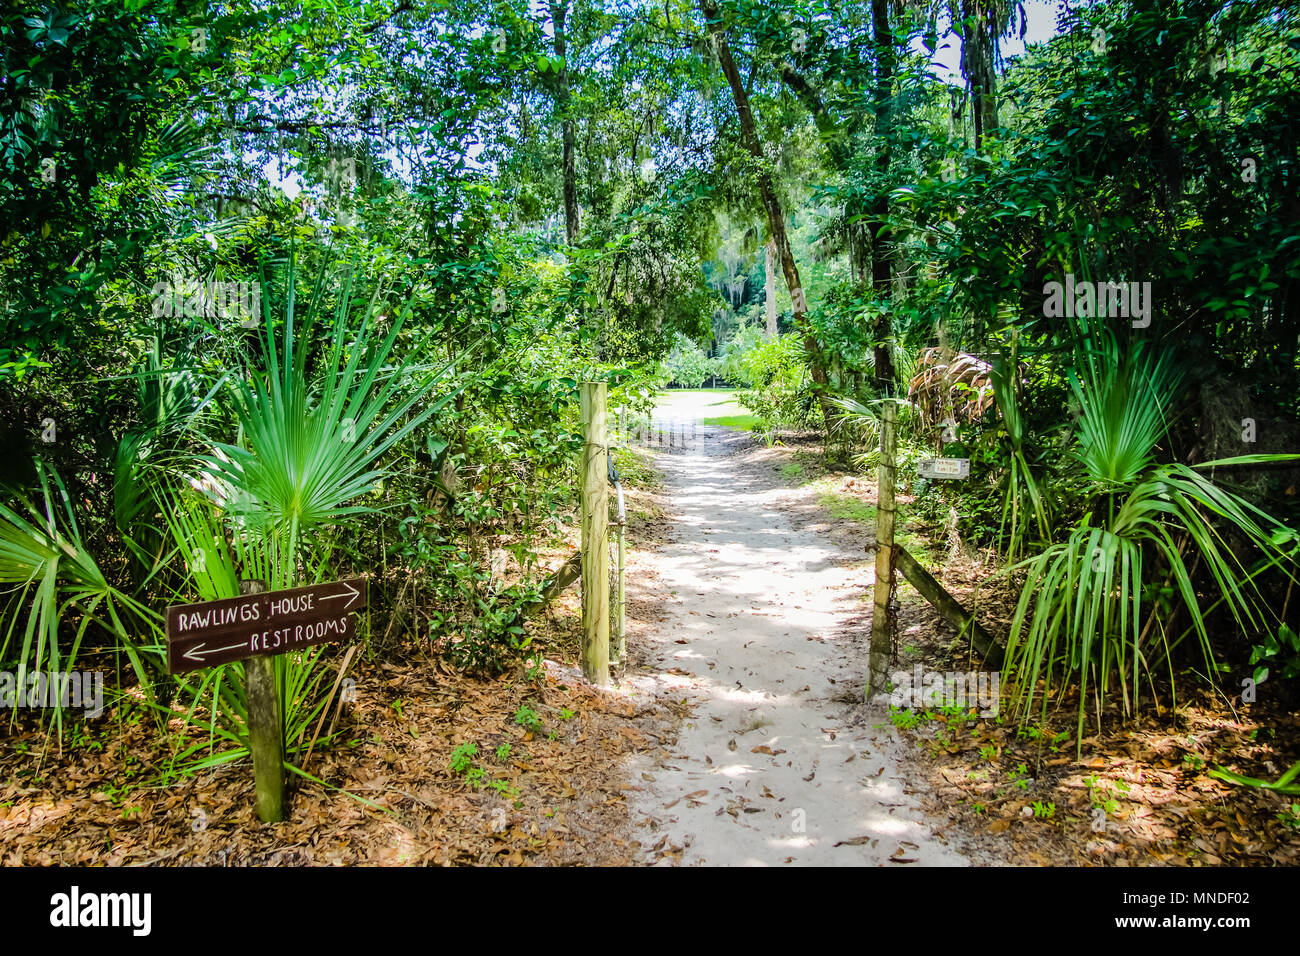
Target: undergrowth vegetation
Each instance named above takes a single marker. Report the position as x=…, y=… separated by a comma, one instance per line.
x=313, y=298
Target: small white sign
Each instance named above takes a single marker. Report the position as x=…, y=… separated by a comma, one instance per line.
x=945, y=468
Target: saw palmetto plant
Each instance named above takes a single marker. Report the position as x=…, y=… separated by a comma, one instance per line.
x=172, y=405
x=314, y=427
x=1024, y=506
x=858, y=422
x=1085, y=611
x=57, y=591
x=313, y=433
x=214, y=698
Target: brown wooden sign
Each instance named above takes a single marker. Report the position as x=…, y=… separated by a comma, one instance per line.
x=272, y=622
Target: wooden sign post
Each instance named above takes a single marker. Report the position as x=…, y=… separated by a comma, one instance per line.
x=265, y=728
x=256, y=626
x=595, y=535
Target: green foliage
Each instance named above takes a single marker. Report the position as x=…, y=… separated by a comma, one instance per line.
x=687, y=364
x=462, y=758
x=1288, y=783
x=1023, y=499
x=312, y=436
x=59, y=591
x=528, y=718
x=732, y=358
x=311, y=442
x=1099, y=795
x=1124, y=403
x=1080, y=609
x=848, y=508
x=780, y=394
x=904, y=719
x=859, y=424
x=93, y=156
x=1280, y=654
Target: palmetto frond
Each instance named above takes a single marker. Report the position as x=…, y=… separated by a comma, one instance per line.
x=52, y=573
x=1125, y=403
x=313, y=435
x=1085, y=606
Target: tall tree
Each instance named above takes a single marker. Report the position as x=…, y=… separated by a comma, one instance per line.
x=769, y=287
x=981, y=23
x=771, y=202
x=564, y=103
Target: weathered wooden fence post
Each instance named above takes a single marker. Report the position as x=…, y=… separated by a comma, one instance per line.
x=878, y=658
x=265, y=728
x=595, y=535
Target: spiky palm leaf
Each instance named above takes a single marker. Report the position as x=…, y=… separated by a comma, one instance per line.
x=1125, y=405
x=313, y=439
x=313, y=435
x=859, y=422
x=1081, y=607
x=54, y=578
x=1022, y=484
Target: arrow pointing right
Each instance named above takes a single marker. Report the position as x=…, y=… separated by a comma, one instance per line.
x=350, y=591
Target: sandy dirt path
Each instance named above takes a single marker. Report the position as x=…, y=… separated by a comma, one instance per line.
x=781, y=763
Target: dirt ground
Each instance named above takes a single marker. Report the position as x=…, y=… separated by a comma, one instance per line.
x=1137, y=793
x=554, y=797
x=735, y=734
x=553, y=754
x=780, y=762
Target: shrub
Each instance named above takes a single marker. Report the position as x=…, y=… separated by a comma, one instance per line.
x=781, y=394
x=1081, y=610
x=731, y=363
x=687, y=363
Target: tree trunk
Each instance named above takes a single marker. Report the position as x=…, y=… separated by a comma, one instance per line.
x=559, y=13
x=769, y=289
x=771, y=204
x=977, y=53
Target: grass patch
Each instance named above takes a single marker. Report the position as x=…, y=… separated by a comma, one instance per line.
x=803, y=468
x=695, y=391
x=744, y=423
x=845, y=507
x=848, y=508
x=634, y=467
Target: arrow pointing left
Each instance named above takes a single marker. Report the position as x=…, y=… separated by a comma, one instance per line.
x=194, y=655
